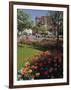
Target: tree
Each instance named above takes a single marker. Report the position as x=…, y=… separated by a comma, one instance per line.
x=35, y=29
x=39, y=29
x=23, y=20
x=57, y=22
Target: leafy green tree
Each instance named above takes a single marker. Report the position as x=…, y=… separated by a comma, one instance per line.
x=43, y=29
x=35, y=29
x=39, y=29
x=23, y=20
x=57, y=21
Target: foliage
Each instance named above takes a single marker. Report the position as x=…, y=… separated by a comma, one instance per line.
x=39, y=29
x=57, y=20
x=43, y=66
x=23, y=20
x=35, y=29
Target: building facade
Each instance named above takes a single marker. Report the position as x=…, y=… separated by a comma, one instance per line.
x=45, y=21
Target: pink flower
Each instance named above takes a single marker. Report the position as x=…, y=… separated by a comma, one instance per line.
x=47, y=53
x=46, y=72
x=34, y=67
x=24, y=71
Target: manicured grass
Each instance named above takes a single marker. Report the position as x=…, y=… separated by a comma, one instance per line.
x=25, y=52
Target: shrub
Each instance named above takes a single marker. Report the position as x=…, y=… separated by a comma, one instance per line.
x=43, y=66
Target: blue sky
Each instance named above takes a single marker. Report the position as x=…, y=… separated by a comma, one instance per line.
x=35, y=13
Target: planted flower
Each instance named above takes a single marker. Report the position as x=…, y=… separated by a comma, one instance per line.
x=43, y=66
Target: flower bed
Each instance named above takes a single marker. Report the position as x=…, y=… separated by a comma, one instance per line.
x=43, y=66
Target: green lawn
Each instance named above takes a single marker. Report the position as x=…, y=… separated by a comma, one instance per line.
x=25, y=52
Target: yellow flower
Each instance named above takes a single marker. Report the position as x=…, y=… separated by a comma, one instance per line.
x=27, y=64
x=30, y=71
